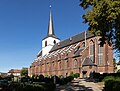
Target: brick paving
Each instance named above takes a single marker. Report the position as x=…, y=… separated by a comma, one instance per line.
x=80, y=85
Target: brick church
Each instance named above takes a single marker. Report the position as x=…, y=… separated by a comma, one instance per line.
x=81, y=53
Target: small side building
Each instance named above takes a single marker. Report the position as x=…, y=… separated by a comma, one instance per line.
x=15, y=73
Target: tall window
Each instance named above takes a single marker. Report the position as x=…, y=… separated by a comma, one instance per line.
x=59, y=65
x=91, y=50
x=100, y=55
x=75, y=63
x=45, y=43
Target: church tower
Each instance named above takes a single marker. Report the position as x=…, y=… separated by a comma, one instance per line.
x=49, y=41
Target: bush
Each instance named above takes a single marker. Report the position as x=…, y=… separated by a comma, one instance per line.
x=49, y=86
x=112, y=83
x=108, y=78
x=76, y=75
x=33, y=87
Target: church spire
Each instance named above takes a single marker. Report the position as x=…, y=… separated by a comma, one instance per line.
x=50, y=26
x=50, y=32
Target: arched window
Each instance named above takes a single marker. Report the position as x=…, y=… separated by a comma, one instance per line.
x=54, y=42
x=59, y=65
x=45, y=43
x=67, y=63
x=91, y=50
x=75, y=63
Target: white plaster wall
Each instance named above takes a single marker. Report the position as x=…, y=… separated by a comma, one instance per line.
x=50, y=44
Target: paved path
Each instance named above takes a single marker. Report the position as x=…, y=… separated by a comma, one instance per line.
x=80, y=85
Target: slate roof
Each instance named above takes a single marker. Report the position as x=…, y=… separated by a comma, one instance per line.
x=54, y=36
x=88, y=62
x=72, y=40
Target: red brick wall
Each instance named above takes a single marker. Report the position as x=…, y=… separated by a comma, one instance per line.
x=47, y=67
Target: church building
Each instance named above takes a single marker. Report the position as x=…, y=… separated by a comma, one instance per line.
x=81, y=54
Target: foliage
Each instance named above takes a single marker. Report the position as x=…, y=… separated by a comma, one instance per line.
x=76, y=75
x=103, y=18
x=33, y=87
x=112, y=84
x=38, y=83
x=28, y=87
x=24, y=72
x=108, y=78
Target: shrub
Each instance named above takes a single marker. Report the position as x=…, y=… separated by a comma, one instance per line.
x=76, y=75
x=108, y=78
x=33, y=87
x=112, y=83
x=49, y=86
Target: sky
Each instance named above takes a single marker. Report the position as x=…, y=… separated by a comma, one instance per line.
x=24, y=23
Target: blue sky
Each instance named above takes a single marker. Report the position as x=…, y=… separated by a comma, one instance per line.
x=24, y=23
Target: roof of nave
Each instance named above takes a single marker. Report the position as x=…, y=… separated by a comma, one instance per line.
x=72, y=40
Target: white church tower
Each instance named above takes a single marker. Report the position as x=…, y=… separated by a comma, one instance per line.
x=49, y=41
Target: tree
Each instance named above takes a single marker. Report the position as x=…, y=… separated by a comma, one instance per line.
x=103, y=18
x=24, y=72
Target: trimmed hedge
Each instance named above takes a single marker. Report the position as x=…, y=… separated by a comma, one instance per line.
x=100, y=77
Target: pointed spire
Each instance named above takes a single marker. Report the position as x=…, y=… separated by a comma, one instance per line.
x=50, y=32
x=50, y=26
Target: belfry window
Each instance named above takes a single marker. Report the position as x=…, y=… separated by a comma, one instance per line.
x=45, y=43
x=54, y=42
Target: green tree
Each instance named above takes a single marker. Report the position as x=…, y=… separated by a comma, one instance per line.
x=24, y=72
x=103, y=18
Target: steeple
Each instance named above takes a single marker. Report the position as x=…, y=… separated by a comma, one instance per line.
x=50, y=32
x=50, y=40
x=50, y=26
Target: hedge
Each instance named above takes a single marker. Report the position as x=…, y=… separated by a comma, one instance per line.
x=112, y=83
